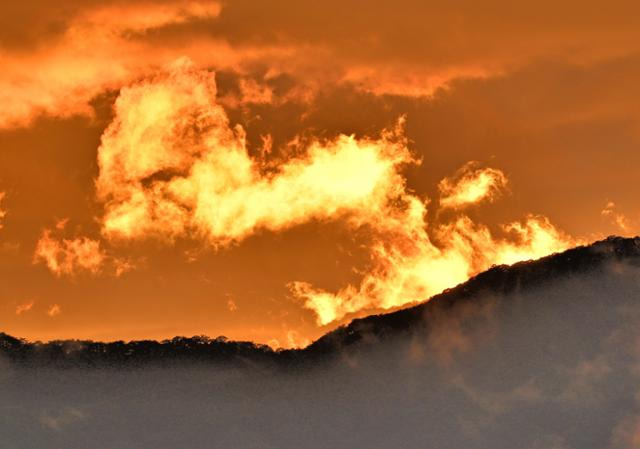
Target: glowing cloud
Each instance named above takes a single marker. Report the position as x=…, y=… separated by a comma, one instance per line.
x=107, y=46
x=54, y=310
x=471, y=185
x=171, y=165
x=410, y=81
x=98, y=51
x=617, y=218
x=143, y=17
x=68, y=257
x=408, y=267
x=23, y=308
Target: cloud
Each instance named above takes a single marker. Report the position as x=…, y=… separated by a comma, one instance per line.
x=231, y=305
x=413, y=48
x=250, y=91
x=525, y=89
x=619, y=219
x=408, y=49
x=626, y=435
x=584, y=380
x=54, y=310
x=141, y=17
x=69, y=257
x=171, y=166
x=24, y=308
x=408, y=267
x=61, y=420
x=471, y=185
x=96, y=51
x=510, y=349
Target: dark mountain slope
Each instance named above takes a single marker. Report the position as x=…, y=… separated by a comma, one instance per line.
x=499, y=280
x=539, y=355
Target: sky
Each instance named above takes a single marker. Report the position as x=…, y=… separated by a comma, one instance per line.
x=268, y=171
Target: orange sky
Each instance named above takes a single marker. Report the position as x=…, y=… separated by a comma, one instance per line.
x=269, y=170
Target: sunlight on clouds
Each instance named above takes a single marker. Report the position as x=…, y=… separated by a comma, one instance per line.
x=54, y=310
x=96, y=53
x=408, y=267
x=411, y=81
x=471, y=185
x=24, y=308
x=142, y=17
x=67, y=257
x=172, y=166
x=617, y=218
x=71, y=257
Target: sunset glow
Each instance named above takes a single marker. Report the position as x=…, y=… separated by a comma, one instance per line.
x=269, y=173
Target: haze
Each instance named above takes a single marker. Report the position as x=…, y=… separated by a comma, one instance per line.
x=550, y=366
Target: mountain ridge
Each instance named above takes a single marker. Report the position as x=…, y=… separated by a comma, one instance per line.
x=498, y=279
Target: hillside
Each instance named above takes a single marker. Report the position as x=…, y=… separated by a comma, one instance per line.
x=497, y=280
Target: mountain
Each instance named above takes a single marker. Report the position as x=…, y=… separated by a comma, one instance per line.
x=501, y=280
x=539, y=355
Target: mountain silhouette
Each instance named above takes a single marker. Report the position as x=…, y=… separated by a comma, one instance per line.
x=538, y=355
x=499, y=279
x=362, y=332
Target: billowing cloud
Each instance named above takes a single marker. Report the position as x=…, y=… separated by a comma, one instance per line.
x=68, y=257
x=407, y=266
x=471, y=185
x=172, y=166
x=539, y=93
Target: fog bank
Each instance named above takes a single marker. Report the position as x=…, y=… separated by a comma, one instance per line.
x=549, y=367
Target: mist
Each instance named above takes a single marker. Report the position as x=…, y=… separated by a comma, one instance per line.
x=553, y=366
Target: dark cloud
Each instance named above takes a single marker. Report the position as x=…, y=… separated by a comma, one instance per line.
x=434, y=33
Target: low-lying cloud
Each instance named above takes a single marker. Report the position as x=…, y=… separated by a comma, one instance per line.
x=553, y=366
